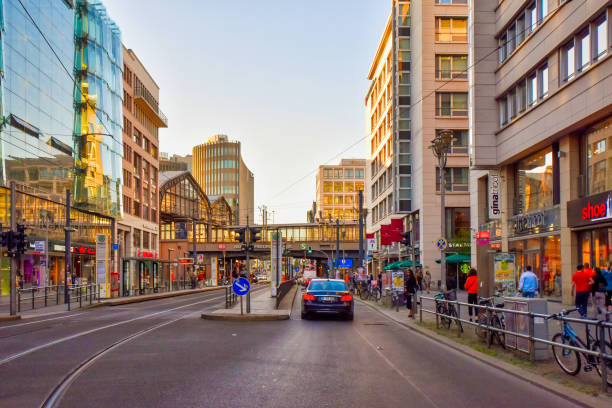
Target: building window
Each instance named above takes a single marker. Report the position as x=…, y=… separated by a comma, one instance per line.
x=338, y=173
x=451, y=1
x=136, y=238
x=584, y=55
x=534, y=181
x=451, y=29
x=601, y=38
x=327, y=199
x=456, y=178
x=348, y=173
x=337, y=187
x=348, y=187
x=458, y=223
x=568, y=60
x=598, y=164
x=327, y=173
x=338, y=200
x=359, y=173
x=459, y=144
x=518, y=29
x=451, y=66
x=327, y=187
x=451, y=103
x=543, y=82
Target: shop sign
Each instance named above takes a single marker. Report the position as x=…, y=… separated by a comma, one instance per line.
x=188, y=261
x=535, y=222
x=482, y=238
x=59, y=248
x=222, y=247
x=494, y=195
x=397, y=281
x=590, y=210
x=39, y=247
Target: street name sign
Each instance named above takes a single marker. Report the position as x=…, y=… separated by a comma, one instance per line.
x=241, y=286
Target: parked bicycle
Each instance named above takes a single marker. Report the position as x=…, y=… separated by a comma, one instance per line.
x=497, y=319
x=447, y=310
x=570, y=361
x=370, y=292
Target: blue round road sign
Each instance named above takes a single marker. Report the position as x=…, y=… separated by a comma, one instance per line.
x=241, y=286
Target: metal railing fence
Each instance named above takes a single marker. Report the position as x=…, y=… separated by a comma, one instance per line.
x=600, y=333
x=41, y=296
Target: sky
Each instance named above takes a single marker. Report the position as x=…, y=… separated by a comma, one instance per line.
x=285, y=78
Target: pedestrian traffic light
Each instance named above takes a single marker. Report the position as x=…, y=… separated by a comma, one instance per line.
x=406, y=238
x=255, y=231
x=240, y=235
x=309, y=250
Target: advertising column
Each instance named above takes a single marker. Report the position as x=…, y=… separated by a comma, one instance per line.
x=275, y=261
x=214, y=273
x=101, y=265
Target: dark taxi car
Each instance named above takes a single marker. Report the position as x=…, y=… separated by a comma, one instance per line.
x=327, y=296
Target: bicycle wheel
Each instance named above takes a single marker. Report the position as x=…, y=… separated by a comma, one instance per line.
x=453, y=314
x=481, y=329
x=568, y=360
x=598, y=363
x=445, y=321
x=501, y=337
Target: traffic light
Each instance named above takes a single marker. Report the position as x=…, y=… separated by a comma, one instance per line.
x=309, y=250
x=21, y=239
x=255, y=234
x=5, y=239
x=406, y=238
x=240, y=235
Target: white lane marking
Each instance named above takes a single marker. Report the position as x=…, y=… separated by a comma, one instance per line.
x=76, y=335
x=397, y=370
x=40, y=321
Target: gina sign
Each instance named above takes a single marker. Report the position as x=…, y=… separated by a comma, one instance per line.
x=494, y=195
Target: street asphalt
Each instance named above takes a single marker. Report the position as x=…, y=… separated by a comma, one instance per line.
x=177, y=359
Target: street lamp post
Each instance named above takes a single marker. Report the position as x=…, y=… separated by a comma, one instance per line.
x=169, y=268
x=440, y=146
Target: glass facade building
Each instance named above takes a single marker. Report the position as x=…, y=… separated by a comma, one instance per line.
x=61, y=108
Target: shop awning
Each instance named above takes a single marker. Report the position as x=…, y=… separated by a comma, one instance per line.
x=456, y=258
x=407, y=264
x=392, y=266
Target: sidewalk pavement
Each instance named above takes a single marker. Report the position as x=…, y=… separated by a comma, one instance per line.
x=61, y=308
x=263, y=308
x=402, y=319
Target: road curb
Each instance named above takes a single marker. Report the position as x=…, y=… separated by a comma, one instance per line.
x=534, y=379
x=246, y=317
x=125, y=301
x=8, y=318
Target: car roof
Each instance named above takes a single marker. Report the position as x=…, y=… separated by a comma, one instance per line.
x=324, y=279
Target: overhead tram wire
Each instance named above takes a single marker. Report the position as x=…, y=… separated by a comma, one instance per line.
x=444, y=83
x=66, y=70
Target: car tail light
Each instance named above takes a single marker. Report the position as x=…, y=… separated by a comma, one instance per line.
x=308, y=296
x=346, y=298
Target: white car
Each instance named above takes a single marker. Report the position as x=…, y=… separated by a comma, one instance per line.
x=262, y=277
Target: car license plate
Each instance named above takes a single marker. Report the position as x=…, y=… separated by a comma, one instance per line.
x=327, y=298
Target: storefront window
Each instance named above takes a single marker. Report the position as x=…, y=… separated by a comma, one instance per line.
x=534, y=181
x=544, y=257
x=599, y=157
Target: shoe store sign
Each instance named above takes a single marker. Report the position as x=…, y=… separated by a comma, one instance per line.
x=590, y=210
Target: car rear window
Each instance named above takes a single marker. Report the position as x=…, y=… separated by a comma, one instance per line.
x=327, y=285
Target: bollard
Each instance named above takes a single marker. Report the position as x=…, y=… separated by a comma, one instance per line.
x=458, y=317
x=602, y=361
x=489, y=331
x=18, y=300
x=46, y=295
x=420, y=309
x=81, y=297
x=57, y=295
x=90, y=290
x=33, y=299
x=437, y=317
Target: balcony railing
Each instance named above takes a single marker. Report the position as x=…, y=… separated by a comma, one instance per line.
x=144, y=99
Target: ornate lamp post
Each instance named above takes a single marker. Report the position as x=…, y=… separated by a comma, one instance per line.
x=440, y=147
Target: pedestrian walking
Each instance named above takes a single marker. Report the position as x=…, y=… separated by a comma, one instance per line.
x=598, y=290
x=380, y=283
x=410, y=286
x=607, y=274
x=581, y=288
x=471, y=285
x=427, y=281
x=419, y=279
x=528, y=283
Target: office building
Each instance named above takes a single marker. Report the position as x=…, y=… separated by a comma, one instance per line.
x=338, y=187
x=175, y=162
x=540, y=114
x=62, y=132
x=419, y=88
x=218, y=167
x=138, y=231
